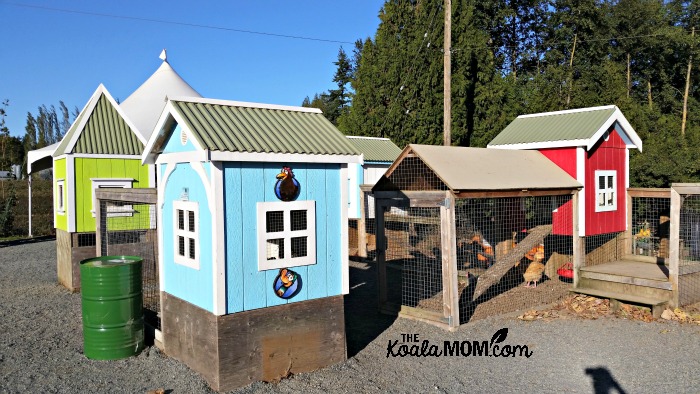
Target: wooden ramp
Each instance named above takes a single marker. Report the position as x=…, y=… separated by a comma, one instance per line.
x=494, y=274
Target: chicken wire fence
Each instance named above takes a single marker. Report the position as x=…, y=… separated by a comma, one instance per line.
x=129, y=229
x=502, y=245
x=689, y=251
x=650, y=226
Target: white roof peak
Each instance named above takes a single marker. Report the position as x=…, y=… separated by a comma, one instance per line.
x=164, y=56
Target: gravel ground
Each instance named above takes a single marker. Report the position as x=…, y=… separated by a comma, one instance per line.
x=41, y=349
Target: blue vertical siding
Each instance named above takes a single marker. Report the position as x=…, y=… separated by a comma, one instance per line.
x=191, y=285
x=246, y=184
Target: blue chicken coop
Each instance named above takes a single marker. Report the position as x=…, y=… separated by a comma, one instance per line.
x=252, y=236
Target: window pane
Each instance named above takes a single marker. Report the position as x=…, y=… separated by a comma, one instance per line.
x=180, y=220
x=298, y=220
x=191, y=248
x=299, y=247
x=181, y=246
x=275, y=249
x=610, y=182
x=601, y=182
x=275, y=221
x=601, y=199
x=191, y=220
x=611, y=198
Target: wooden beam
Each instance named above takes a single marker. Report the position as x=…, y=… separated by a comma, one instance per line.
x=579, y=254
x=140, y=195
x=449, y=262
x=674, y=252
x=100, y=230
x=513, y=193
x=643, y=192
x=686, y=188
x=628, y=229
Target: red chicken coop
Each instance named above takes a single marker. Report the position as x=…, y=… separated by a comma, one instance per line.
x=464, y=233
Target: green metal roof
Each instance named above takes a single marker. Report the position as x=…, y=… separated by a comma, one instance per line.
x=554, y=126
x=376, y=149
x=104, y=131
x=259, y=128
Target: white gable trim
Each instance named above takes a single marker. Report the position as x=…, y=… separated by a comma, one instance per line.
x=91, y=107
x=361, y=137
x=630, y=134
x=285, y=157
x=168, y=112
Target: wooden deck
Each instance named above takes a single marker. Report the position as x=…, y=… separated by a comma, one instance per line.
x=636, y=279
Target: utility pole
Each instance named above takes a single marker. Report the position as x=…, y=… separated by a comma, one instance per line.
x=687, y=83
x=447, y=60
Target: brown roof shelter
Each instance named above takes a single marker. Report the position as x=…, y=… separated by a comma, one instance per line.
x=435, y=177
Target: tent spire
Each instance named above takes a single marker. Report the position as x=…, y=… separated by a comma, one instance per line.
x=163, y=56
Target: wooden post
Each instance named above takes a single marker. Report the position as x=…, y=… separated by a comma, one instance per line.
x=362, y=226
x=674, y=252
x=98, y=228
x=380, y=253
x=450, y=295
x=578, y=242
x=447, y=66
x=629, y=232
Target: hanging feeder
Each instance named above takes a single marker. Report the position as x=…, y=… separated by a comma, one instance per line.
x=566, y=271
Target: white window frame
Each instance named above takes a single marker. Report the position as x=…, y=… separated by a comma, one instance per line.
x=113, y=183
x=61, y=196
x=263, y=236
x=186, y=206
x=609, y=194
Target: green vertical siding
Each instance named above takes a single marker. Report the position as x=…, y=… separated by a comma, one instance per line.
x=87, y=168
x=59, y=172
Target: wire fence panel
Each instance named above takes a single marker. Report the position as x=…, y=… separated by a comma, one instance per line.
x=689, y=248
x=650, y=226
x=129, y=229
x=604, y=248
x=511, y=253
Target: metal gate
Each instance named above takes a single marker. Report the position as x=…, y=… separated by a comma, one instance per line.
x=127, y=226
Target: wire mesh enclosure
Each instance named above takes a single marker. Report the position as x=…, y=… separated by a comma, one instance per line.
x=650, y=224
x=689, y=250
x=129, y=228
x=509, y=252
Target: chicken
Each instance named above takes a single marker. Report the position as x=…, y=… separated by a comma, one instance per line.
x=533, y=273
x=286, y=188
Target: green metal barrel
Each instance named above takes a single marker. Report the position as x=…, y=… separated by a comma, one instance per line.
x=112, y=307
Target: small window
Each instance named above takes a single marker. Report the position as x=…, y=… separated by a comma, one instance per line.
x=186, y=216
x=606, y=191
x=286, y=234
x=60, y=196
x=112, y=183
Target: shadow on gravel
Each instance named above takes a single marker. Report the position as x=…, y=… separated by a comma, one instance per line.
x=23, y=241
x=603, y=381
x=363, y=322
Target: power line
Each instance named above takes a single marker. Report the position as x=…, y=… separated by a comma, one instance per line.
x=196, y=25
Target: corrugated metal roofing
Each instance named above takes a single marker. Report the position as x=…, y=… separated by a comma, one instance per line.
x=554, y=126
x=262, y=129
x=106, y=132
x=376, y=149
x=465, y=169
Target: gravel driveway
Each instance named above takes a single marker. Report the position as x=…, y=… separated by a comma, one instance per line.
x=41, y=349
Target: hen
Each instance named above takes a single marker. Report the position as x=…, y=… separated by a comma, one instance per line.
x=533, y=273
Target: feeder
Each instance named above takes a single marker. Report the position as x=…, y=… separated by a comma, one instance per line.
x=566, y=271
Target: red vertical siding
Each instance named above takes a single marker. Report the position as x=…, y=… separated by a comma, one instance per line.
x=562, y=218
x=606, y=155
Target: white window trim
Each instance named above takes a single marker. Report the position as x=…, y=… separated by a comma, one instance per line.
x=187, y=206
x=606, y=190
x=125, y=183
x=61, y=196
x=310, y=233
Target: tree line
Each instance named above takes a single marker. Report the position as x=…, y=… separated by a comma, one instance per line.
x=527, y=56
x=46, y=126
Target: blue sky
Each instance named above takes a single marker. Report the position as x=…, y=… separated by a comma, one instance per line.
x=48, y=55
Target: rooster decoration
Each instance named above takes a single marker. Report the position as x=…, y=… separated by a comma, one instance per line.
x=287, y=187
x=287, y=284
